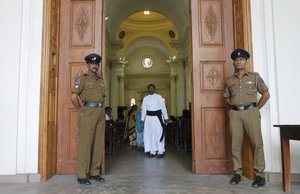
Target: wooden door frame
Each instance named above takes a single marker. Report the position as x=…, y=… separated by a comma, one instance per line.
x=47, y=157
x=44, y=139
x=243, y=39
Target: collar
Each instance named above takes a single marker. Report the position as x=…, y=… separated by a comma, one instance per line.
x=93, y=75
x=245, y=73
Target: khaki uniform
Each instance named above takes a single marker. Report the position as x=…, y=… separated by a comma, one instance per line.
x=91, y=123
x=242, y=92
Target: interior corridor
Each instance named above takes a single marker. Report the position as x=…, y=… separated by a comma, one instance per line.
x=130, y=172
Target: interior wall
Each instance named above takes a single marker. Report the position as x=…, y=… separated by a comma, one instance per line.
x=275, y=35
x=20, y=52
x=159, y=67
x=137, y=78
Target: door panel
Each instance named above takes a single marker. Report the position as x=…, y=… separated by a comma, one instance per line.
x=80, y=34
x=212, y=35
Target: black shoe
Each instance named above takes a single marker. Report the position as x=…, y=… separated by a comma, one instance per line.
x=235, y=179
x=259, y=182
x=151, y=155
x=97, y=178
x=159, y=155
x=147, y=153
x=84, y=181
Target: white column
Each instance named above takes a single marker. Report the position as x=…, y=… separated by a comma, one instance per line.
x=121, y=75
x=121, y=90
x=180, y=87
x=114, y=90
x=187, y=84
x=173, y=95
x=173, y=76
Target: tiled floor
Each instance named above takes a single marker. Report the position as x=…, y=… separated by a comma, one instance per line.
x=130, y=172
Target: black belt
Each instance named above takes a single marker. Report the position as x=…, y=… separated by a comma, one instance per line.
x=158, y=113
x=240, y=108
x=92, y=104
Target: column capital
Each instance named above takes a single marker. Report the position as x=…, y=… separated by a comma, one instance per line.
x=171, y=60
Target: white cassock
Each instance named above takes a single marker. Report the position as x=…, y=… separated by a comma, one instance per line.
x=152, y=126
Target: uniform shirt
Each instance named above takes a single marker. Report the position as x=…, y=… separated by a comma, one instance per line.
x=243, y=91
x=90, y=88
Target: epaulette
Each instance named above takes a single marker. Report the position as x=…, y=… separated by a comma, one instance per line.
x=230, y=77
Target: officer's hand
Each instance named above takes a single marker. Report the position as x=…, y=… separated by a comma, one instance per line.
x=166, y=121
x=142, y=123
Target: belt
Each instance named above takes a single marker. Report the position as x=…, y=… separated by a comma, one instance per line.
x=92, y=104
x=154, y=113
x=240, y=108
x=159, y=115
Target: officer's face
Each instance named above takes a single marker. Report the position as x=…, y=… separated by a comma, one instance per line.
x=239, y=63
x=93, y=67
x=151, y=90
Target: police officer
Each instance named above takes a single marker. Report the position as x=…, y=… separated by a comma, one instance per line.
x=241, y=93
x=90, y=89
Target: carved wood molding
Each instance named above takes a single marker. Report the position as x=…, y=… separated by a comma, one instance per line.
x=211, y=21
x=82, y=23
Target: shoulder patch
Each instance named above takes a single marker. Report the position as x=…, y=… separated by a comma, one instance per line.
x=77, y=81
x=261, y=80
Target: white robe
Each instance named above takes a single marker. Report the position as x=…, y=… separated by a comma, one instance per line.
x=152, y=126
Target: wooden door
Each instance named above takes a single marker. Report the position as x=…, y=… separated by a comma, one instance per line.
x=81, y=33
x=48, y=99
x=212, y=44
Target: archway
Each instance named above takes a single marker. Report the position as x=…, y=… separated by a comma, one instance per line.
x=51, y=56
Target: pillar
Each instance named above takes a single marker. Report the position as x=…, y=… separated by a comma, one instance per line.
x=180, y=87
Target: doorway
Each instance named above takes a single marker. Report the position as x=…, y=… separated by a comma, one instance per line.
x=211, y=37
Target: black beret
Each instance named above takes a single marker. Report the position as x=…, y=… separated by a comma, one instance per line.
x=240, y=53
x=93, y=58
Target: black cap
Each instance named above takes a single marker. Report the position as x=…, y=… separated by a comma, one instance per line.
x=240, y=53
x=93, y=58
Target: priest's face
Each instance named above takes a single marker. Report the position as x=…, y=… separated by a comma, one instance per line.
x=151, y=90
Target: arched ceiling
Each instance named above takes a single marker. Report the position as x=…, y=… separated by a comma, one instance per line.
x=177, y=11
x=147, y=41
x=141, y=30
x=150, y=22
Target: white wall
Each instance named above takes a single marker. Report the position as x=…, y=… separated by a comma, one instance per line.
x=275, y=34
x=20, y=53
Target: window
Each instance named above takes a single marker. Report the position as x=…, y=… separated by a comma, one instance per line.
x=147, y=62
x=132, y=102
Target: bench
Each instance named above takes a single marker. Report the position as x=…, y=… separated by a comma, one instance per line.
x=287, y=133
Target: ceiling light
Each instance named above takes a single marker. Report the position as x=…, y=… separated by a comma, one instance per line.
x=146, y=12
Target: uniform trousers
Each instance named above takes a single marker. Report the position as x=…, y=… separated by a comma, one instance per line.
x=250, y=121
x=91, y=123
